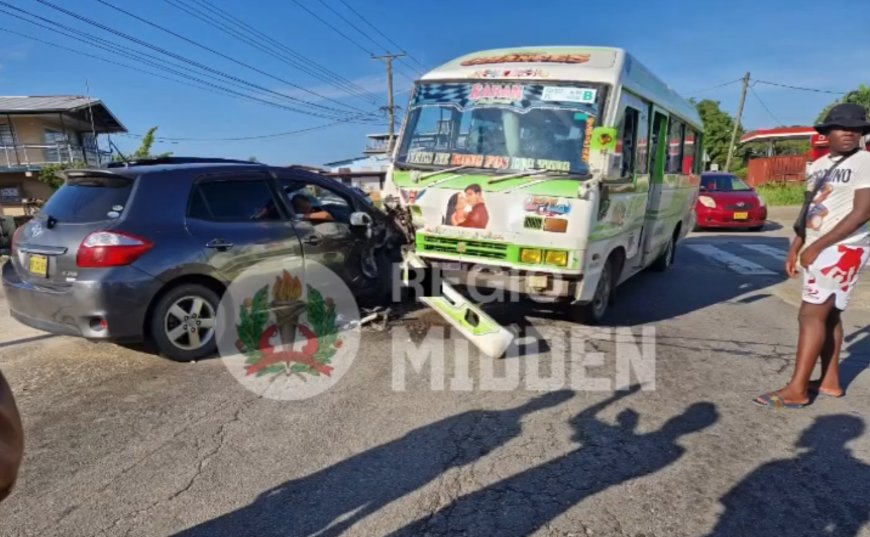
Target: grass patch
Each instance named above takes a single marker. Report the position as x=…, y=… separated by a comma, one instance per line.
x=782, y=194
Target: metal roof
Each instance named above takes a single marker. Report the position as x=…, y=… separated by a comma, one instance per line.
x=72, y=104
x=782, y=133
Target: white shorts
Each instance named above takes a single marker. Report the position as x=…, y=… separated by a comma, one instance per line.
x=834, y=272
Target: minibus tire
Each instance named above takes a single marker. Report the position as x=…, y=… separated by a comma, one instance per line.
x=590, y=314
x=665, y=260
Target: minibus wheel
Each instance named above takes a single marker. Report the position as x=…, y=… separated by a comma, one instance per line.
x=593, y=312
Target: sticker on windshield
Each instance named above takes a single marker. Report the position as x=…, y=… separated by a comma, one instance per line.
x=569, y=95
x=118, y=208
x=113, y=214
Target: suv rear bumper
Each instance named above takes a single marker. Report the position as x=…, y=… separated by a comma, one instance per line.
x=120, y=297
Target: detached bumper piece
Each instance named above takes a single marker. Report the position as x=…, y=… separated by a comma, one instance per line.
x=487, y=335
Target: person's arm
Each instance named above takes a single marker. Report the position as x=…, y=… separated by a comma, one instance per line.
x=792, y=260
x=11, y=439
x=850, y=224
x=319, y=215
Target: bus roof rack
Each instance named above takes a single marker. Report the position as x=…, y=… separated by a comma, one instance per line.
x=157, y=161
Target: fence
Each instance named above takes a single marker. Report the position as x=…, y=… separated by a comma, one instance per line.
x=27, y=155
x=777, y=169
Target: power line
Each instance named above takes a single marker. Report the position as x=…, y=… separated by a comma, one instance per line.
x=336, y=30
x=114, y=48
x=375, y=28
x=185, y=60
x=352, y=25
x=775, y=119
x=814, y=90
x=241, y=138
x=243, y=64
x=134, y=55
x=237, y=28
x=695, y=92
x=86, y=54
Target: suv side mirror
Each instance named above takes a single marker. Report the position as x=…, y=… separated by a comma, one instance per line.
x=360, y=219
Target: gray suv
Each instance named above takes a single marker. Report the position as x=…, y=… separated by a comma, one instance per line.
x=143, y=251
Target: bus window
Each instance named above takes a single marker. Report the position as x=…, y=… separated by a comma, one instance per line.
x=628, y=135
x=642, y=166
x=675, y=147
x=689, y=152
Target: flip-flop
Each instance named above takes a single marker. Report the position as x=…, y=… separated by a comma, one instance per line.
x=772, y=400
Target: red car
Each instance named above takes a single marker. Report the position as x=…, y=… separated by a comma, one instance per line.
x=725, y=201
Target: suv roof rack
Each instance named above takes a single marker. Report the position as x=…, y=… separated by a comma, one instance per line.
x=156, y=161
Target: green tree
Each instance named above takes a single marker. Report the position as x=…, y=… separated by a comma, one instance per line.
x=718, y=127
x=253, y=159
x=858, y=96
x=51, y=174
x=144, y=150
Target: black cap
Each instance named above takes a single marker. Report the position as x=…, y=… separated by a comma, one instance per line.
x=845, y=115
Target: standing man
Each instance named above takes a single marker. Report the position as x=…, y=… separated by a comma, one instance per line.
x=832, y=255
x=11, y=439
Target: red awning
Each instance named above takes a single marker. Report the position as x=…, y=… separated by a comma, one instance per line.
x=784, y=133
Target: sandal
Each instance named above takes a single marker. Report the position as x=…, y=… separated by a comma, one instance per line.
x=773, y=400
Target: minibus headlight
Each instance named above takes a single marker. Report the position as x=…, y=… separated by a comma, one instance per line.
x=530, y=255
x=556, y=257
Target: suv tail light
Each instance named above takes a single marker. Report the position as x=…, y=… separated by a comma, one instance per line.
x=111, y=249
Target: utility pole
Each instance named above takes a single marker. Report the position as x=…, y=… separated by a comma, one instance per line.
x=737, y=122
x=391, y=107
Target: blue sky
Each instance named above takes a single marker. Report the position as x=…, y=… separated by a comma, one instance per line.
x=819, y=45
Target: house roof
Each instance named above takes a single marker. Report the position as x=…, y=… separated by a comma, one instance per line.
x=74, y=105
x=783, y=133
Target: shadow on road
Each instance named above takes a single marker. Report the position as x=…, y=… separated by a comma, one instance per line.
x=857, y=351
x=769, y=225
x=822, y=491
x=693, y=283
x=328, y=502
x=610, y=455
x=24, y=340
x=333, y=499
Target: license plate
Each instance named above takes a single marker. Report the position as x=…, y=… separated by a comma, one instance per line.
x=537, y=281
x=450, y=267
x=39, y=265
x=741, y=216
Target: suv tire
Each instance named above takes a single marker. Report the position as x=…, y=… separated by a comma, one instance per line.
x=184, y=310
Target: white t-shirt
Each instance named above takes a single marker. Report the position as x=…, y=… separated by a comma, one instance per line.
x=835, y=200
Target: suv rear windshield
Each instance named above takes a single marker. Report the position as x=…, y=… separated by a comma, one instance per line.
x=89, y=199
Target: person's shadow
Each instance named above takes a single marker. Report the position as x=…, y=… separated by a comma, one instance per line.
x=610, y=454
x=824, y=491
x=328, y=502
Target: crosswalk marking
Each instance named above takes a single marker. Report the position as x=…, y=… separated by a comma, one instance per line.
x=734, y=262
x=766, y=249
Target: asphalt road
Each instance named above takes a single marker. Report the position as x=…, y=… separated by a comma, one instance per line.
x=124, y=443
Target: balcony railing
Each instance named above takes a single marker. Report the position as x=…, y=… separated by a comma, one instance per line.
x=29, y=156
